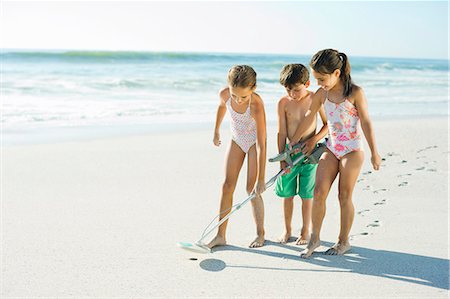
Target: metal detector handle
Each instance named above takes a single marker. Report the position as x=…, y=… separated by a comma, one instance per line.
x=250, y=197
x=315, y=155
x=286, y=154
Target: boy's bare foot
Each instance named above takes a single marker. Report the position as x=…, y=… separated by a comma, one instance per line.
x=312, y=245
x=217, y=241
x=284, y=238
x=302, y=240
x=338, y=249
x=258, y=242
x=304, y=237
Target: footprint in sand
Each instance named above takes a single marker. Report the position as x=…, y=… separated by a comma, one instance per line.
x=367, y=187
x=367, y=172
x=392, y=154
x=363, y=212
x=403, y=162
x=363, y=234
x=376, y=223
x=382, y=202
x=432, y=169
x=379, y=191
x=427, y=148
x=402, y=175
x=421, y=168
x=360, y=180
x=402, y=184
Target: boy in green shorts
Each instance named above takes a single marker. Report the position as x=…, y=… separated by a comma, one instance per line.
x=300, y=180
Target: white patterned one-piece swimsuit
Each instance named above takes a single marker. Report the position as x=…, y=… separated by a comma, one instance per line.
x=243, y=127
x=343, y=128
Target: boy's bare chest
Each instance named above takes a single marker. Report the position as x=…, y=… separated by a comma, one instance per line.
x=296, y=110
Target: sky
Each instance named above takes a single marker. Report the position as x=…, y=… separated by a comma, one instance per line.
x=359, y=28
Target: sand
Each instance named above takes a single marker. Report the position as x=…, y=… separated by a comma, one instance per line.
x=101, y=218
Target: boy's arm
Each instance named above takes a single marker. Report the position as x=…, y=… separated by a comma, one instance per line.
x=220, y=114
x=261, y=145
x=282, y=129
x=309, y=118
x=366, y=125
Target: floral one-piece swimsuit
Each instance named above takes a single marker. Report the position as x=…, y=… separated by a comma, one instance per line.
x=343, y=127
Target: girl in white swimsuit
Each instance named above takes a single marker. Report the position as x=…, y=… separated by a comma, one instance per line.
x=248, y=134
x=243, y=127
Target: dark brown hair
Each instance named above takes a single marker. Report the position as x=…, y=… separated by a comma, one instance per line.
x=242, y=76
x=292, y=74
x=327, y=61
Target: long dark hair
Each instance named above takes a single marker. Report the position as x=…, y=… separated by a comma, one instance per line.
x=327, y=61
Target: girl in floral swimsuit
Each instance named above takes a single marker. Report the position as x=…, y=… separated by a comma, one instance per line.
x=346, y=109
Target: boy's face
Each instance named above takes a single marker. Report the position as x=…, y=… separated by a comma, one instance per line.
x=241, y=95
x=326, y=81
x=297, y=91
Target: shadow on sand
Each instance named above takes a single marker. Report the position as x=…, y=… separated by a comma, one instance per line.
x=417, y=269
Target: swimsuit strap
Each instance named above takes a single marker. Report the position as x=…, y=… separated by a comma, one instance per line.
x=327, y=98
x=249, y=103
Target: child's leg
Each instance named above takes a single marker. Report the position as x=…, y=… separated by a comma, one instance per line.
x=327, y=171
x=233, y=164
x=349, y=168
x=307, y=204
x=257, y=202
x=288, y=206
x=307, y=182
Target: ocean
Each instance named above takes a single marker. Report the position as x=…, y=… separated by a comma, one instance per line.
x=52, y=95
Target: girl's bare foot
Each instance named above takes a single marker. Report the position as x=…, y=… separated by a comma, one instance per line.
x=284, y=237
x=217, y=241
x=338, y=248
x=258, y=242
x=312, y=245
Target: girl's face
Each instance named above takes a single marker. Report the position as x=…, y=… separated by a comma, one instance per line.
x=241, y=95
x=326, y=81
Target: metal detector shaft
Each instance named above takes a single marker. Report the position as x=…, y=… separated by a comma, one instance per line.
x=251, y=196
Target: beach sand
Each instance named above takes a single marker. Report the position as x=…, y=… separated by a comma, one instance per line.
x=101, y=218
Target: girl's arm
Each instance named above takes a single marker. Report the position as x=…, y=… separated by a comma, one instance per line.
x=324, y=130
x=221, y=110
x=309, y=117
x=366, y=125
x=261, y=142
x=310, y=144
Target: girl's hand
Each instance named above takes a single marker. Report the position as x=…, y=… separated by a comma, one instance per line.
x=283, y=165
x=290, y=145
x=216, y=139
x=308, y=146
x=376, y=161
x=260, y=187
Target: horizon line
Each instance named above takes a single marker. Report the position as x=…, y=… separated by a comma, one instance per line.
x=2, y=49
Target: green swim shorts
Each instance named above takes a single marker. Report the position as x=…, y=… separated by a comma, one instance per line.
x=300, y=181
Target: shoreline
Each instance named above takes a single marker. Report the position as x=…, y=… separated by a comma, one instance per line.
x=13, y=138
